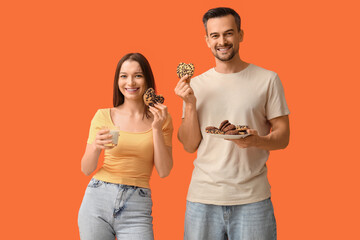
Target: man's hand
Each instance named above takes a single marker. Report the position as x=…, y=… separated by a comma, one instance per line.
x=278, y=138
x=189, y=131
x=184, y=91
x=249, y=141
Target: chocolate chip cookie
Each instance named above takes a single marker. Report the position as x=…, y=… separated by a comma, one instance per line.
x=183, y=69
x=150, y=98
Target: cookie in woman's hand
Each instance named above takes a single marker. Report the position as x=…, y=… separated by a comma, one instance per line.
x=150, y=98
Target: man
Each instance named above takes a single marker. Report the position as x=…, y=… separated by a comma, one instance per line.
x=229, y=193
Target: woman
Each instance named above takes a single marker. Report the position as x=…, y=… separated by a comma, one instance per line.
x=117, y=201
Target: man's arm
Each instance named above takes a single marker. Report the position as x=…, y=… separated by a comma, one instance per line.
x=278, y=138
x=189, y=133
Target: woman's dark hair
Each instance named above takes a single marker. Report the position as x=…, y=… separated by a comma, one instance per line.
x=118, y=97
x=221, y=12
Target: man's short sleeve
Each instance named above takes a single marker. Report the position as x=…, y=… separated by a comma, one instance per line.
x=276, y=105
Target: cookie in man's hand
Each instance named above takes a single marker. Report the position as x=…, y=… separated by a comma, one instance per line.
x=150, y=98
x=183, y=69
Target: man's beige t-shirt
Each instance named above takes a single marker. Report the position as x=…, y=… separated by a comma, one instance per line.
x=225, y=174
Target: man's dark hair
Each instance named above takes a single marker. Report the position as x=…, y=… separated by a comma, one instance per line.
x=221, y=12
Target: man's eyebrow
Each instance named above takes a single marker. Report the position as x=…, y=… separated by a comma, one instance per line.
x=229, y=30
x=213, y=33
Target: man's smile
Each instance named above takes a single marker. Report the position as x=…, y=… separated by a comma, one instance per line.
x=224, y=49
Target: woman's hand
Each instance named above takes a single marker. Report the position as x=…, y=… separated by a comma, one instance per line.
x=103, y=140
x=162, y=153
x=159, y=111
x=92, y=152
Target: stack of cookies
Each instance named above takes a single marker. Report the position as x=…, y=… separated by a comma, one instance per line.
x=226, y=128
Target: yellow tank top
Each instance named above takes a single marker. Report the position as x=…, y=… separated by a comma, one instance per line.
x=131, y=161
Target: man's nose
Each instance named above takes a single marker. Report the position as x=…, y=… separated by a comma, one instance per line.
x=222, y=40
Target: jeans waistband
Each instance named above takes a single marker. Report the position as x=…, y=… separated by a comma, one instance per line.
x=115, y=184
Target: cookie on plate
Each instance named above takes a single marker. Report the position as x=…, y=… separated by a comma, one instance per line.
x=223, y=123
x=228, y=127
x=242, y=129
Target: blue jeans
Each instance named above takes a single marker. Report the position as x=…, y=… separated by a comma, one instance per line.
x=254, y=221
x=114, y=210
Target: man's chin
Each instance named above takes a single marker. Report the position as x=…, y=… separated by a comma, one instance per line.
x=224, y=59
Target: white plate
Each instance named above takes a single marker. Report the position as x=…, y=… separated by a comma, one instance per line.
x=228, y=136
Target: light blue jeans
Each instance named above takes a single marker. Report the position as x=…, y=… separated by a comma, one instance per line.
x=254, y=221
x=114, y=210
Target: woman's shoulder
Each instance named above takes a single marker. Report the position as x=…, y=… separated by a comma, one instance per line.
x=102, y=113
x=103, y=110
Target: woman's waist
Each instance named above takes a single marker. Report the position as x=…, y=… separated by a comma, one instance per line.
x=139, y=179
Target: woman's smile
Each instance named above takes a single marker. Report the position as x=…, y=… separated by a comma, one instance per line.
x=132, y=90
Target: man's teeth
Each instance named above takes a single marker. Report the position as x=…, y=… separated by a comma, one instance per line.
x=223, y=49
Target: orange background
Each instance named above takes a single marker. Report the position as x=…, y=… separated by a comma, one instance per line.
x=58, y=59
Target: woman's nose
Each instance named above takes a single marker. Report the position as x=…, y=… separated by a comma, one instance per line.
x=130, y=81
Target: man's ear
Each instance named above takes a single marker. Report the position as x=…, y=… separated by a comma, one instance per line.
x=207, y=40
x=241, y=38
